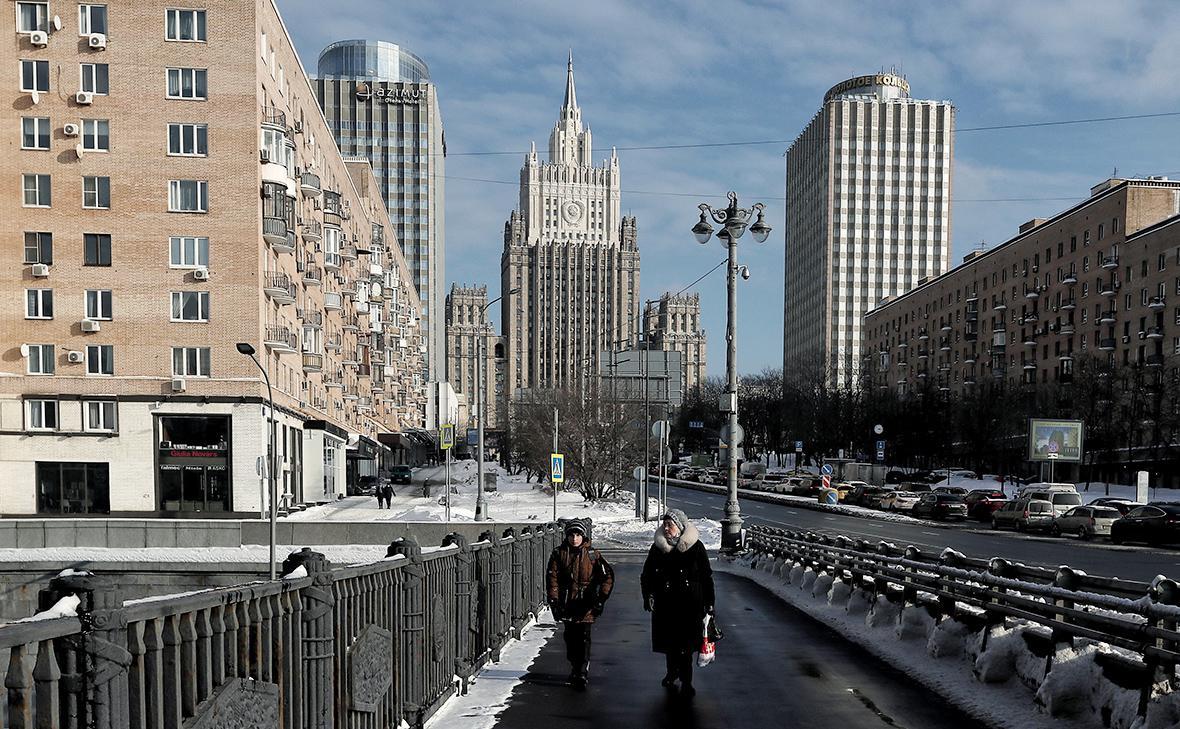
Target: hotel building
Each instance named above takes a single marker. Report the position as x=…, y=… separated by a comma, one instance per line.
x=381, y=105
x=1101, y=278
x=168, y=189
x=868, y=214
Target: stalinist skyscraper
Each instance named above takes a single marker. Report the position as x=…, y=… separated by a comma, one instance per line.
x=573, y=258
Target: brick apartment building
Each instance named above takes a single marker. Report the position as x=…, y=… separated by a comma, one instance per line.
x=1102, y=277
x=169, y=188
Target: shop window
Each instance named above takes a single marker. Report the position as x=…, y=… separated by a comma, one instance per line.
x=194, y=463
x=73, y=488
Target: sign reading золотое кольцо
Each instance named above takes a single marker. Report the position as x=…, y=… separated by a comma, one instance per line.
x=1055, y=440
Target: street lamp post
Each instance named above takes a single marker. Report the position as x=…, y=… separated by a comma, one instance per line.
x=480, y=507
x=248, y=349
x=733, y=220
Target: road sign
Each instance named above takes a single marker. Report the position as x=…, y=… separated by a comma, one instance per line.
x=880, y=445
x=740, y=435
x=556, y=467
x=878, y=429
x=881, y=455
x=446, y=436
x=472, y=436
x=659, y=429
x=798, y=446
x=827, y=481
x=826, y=470
x=696, y=424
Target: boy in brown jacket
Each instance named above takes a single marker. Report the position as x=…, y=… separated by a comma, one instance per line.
x=579, y=582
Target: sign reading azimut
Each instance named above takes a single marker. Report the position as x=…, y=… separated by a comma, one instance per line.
x=391, y=94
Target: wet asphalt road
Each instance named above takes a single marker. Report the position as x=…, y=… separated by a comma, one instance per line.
x=776, y=667
x=1099, y=557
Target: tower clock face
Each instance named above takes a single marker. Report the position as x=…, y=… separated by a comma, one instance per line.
x=571, y=212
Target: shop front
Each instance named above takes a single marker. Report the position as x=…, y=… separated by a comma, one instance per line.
x=192, y=461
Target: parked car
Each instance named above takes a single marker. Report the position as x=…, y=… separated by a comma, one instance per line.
x=862, y=494
x=1122, y=505
x=938, y=505
x=956, y=490
x=916, y=486
x=1024, y=515
x=1061, y=499
x=806, y=486
x=1155, y=523
x=774, y=483
x=1086, y=521
x=899, y=500
x=401, y=474
x=871, y=499
x=982, y=503
x=843, y=488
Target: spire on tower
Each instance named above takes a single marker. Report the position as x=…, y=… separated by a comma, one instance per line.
x=571, y=98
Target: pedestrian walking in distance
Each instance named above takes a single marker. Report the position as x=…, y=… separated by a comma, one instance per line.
x=385, y=496
x=677, y=585
x=579, y=582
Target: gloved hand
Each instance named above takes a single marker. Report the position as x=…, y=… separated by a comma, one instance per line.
x=597, y=609
x=649, y=604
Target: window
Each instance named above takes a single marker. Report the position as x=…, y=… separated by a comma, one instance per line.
x=96, y=192
x=188, y=196
x=32, y=16
x=96, y=249
x=42, y=414
x=38, y=247
x=188, y=139
x=100, y=415
x=100, y=359
x=190, y=306
x=34, y=132
x=185, y=25
x=189, y=252
x=96, y=78
x=41, y=359
x=73, y=488
x=37, y=191
x=96, y=135
x=187, y=83
x=38, y=303
x=98, y=304
x=34, y=76
x=92, y=19
x=190, y=361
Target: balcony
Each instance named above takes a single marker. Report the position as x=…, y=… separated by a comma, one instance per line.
x=923, y=374
x=274, y=232
x=1067, y=357
x=1106, y=290
x=1069, y=279
x=332, y=342
x=362, y=307
x=1154, y=360
x=313, y=362
x=1157, y=303
x=333, y=208
x=1030, y=340
x=944, y=344
x=280, y=339
x=1000, y=306
x=313, y=232
x=923, y=354
x=313, y=276
x=313, y=319
x=348, y=251
x=971, y=336
x=903, y=345
x=1107, y=317
x=970, y=358
x=1110, y=263
x=969, y=380
x=309, y=184
x=1028, y=364
x=333, y=301
x=334, y=381
x=902, y=363
x=1106, y=345
x=363, y=370
x=1155, y=332
x=1032, y=294
x=351, y=326
x=350, y=393
x=331, y=261
x=971, y=315
x=280, y=288
x=1069, y=305
x=945, y=328
x=923, y=336
x=1066, y=329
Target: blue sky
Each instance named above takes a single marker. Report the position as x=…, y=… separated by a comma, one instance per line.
x=709, y=71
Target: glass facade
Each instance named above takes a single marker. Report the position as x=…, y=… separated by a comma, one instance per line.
x=375, y=60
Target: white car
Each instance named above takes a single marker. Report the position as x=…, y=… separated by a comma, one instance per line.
x=1086, y=521
x=899, y=501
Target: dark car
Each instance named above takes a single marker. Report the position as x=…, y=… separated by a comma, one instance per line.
x=806, y=486
x=937, y=505
x=401, y=474
x=1124, y=506
x=1157, y=523
x=861, y=496
x=982, y=503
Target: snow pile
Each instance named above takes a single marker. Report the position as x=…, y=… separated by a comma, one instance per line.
x=66, y=607
x=991, y=672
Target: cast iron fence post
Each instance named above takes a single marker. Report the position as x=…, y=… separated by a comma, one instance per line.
x=318, y=645
x=412, y=636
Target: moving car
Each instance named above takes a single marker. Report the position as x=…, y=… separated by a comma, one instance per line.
x=401, y=474
x=938, y=505
x=1156, y=523
x=1086, y=521
x=899, y=500
x=1024, y=514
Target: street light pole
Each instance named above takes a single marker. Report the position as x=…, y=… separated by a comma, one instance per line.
x=248, y=349
x=734, y=221
x=480, y=506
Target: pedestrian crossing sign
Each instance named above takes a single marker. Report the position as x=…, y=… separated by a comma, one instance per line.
x=556, y=467
x=446, y=436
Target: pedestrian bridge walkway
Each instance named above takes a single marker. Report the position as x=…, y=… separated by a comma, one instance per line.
x=775, y=668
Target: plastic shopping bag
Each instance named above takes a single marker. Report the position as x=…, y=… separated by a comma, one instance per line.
x=708, y=648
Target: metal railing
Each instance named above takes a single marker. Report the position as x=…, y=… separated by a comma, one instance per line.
x=1138, y=619
x=326, y=646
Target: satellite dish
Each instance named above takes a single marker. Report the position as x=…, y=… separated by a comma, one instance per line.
x=78, y=150
x=24, y=350
x=57, y=22
x=36, y=95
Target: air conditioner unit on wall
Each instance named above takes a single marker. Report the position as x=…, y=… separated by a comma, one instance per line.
x=264, y=155
x=201, y=274
x=84, y=97
x=39, y=38
x=40, y=270
x=90, y=325
x=71, y=130
x=98, y=41
x=75, y=357
x=178, y=384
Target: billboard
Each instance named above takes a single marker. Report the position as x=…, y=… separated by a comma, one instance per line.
x=1055, y=440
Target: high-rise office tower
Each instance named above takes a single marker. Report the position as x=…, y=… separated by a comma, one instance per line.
x=868, y=216
x=380, y=104
x=573, y=258
x=673, y=323
x=466, y=325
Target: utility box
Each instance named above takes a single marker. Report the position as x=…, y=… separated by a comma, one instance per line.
x=489, y=481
